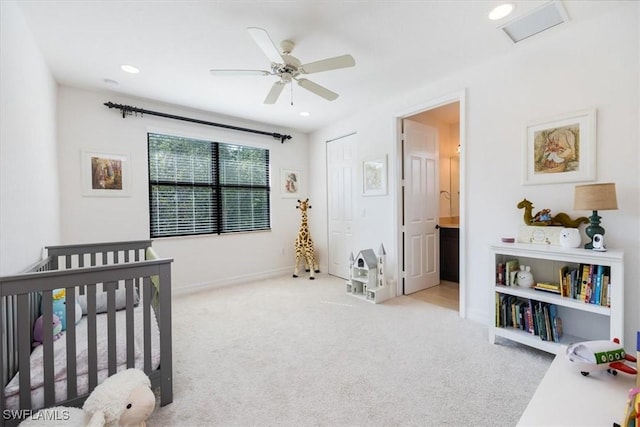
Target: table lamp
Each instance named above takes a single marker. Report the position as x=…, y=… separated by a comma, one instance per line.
x=595, y=197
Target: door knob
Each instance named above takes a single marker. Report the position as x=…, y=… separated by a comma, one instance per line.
x=437, y=227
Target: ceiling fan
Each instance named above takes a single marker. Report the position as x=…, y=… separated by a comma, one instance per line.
x=288, y=68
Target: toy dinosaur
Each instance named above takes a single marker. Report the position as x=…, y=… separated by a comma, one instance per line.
x=544, y=217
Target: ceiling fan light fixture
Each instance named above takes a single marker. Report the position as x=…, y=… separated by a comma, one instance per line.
x=501, y=11
x=129, y=69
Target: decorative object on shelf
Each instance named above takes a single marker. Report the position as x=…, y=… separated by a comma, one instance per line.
x=632, y=412
x=525, y=277
x=544, y=217
x=304, y=243
x=560, y=149
x=367, y=275
x=539, y=235
x=570, y=238
x=595, y=197
x=600, y=355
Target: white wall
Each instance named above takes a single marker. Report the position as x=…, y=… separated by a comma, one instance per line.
x=568, y=68
x=29, y=206
x=86, y=124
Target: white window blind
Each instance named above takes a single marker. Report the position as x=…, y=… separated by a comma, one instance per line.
x=204, y=187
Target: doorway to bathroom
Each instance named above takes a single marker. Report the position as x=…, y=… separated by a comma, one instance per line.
x=432, y=256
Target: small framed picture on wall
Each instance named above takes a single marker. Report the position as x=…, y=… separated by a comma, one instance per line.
x=105, y=175
x=374, y=176
x=290, y=183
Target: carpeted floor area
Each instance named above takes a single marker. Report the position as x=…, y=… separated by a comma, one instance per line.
x=295, y=352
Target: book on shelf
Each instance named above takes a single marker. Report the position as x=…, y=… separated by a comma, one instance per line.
x=564, y=286
x=500, y=274
x=511, y=268
x=547, y=287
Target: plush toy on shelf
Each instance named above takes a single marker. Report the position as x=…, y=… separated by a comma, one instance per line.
x=524, y=277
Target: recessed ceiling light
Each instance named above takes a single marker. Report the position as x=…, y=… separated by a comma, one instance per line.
x=501, y=11
x=129, y=69
x=304, y=113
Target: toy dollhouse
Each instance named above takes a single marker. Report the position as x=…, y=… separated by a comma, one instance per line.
x=367, y=275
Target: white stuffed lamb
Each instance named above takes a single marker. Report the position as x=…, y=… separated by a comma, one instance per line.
x=124, y=399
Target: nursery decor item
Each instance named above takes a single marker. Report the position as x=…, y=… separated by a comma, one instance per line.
x=105, y=174
x=544, y=217
x=367, y=275
x=38, y=331
x=59, y=308
x=570, y=238
x=560, y=149
x=525, y=277
x=595, y=197
x=304, y=243
x=124, y=399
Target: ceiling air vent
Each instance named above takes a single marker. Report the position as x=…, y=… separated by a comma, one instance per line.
x=536, y=21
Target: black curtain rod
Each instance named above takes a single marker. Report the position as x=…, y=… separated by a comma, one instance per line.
x=127, y=110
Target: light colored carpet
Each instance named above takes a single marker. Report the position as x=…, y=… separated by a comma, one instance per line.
x=295, y=352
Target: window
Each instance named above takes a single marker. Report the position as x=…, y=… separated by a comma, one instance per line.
x=204, y=187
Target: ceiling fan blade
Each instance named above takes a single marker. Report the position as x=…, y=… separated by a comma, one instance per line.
x=264, y=42
x=225, y=73
x=334, y=63
x=274, y=93
x=317, y=89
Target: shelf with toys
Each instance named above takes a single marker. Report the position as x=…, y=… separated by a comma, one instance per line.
x=551, y=319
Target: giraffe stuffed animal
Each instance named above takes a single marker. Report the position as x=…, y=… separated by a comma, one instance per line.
x=304, y=243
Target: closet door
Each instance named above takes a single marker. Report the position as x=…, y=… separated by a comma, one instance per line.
x=341, y=169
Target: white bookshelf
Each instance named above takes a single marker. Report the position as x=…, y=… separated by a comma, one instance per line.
x=580, y=321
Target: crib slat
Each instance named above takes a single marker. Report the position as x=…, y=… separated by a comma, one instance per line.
x=111, y=326
x=47, y=348
x=166, y=348
x=24, y=351
x=92, y=342
x=131, y=356
x=4, y=341
x=146, y=316
x=72, y=382
x=10, y=302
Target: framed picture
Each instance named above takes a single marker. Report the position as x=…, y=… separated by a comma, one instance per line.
x=560, y=149
x=290, y=183
x=374, y=177
x=105, y=175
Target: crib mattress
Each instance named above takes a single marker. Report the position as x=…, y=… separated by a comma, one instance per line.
x=11, y=391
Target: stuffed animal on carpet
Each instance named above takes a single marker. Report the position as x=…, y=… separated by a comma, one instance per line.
x=124, y=399
x=38, y=332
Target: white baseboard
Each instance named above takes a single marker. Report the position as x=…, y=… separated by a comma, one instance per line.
x=230, y=281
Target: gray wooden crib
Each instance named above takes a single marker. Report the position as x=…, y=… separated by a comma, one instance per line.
x=126, y=322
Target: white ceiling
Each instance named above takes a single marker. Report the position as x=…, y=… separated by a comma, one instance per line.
x=396, y=45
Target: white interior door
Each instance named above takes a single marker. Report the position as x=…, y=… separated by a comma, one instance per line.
x=421, y=238
x=341, y=167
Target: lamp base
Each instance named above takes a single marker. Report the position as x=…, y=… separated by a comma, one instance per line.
x=592, y=229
